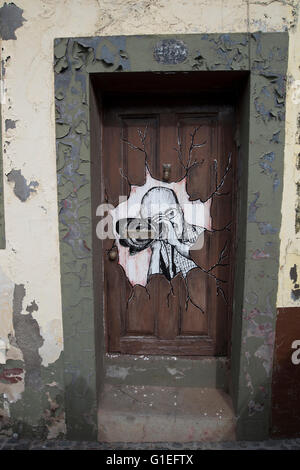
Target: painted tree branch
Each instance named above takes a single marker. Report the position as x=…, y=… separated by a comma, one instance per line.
x=189, y=165
x=143, y=137
x=219, y=186
x=223, y=255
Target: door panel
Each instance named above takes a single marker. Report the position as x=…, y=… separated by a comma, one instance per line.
x=163, y=296
x=133, y=162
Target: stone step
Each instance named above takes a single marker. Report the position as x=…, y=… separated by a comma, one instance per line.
x=168, y=371
x=130, y=413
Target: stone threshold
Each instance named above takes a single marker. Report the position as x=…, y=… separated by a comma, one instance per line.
x=131, y=413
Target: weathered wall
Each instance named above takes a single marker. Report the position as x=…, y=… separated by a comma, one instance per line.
x=31, y=337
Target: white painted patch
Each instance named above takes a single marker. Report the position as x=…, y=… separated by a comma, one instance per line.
x=2, y=351
x=117, y=372
x=53, y=341
x=179, y=374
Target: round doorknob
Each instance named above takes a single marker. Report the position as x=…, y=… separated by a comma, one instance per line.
x=166, y=171
x=112, y=255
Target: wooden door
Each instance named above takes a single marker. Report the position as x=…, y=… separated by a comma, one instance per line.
x=168, y=271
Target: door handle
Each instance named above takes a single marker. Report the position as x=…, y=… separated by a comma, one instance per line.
x=166, y=171
x=112, y=254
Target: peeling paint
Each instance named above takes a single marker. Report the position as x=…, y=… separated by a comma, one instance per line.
x=55, y=418
x=32, y=307
x=260, y=254
x=21, y=189
x=254, y=407
x=28, y=339
x=253, y=207
x=266, y=228
x=275, y=138
x=13, y=388
x=249, y=382
x=297, y=218
x=295, y=292
x=9, y=124
x=11, y=18
x=11, y=376
x=265, y=353
x=293, y=274
x=8, y=347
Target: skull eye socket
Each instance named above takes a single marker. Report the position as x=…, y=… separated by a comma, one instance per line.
x=171, y=213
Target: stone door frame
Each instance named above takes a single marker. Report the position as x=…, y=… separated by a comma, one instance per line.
x=260, y=140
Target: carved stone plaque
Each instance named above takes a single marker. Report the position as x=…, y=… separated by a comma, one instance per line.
x=170, y=51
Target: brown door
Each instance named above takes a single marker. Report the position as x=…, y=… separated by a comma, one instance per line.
x=168, y=270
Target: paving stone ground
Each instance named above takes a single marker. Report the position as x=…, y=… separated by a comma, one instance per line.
x=24, y=444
